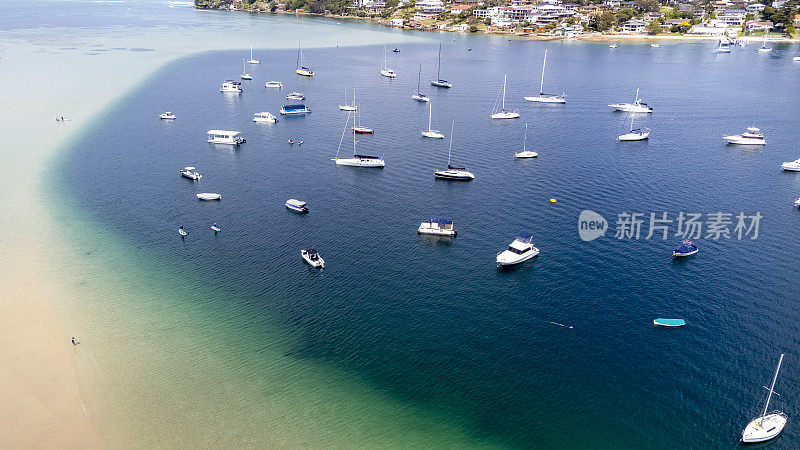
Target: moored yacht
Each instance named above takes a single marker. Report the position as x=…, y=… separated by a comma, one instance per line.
x=357, y=160
x=635, y=134
x=655, y=45
x=296, y=96
x=797, y=203
x=438, y=226
x=209, y=196
x=311, y=256
x=520, y=250
x=245, y=75
x=431, y=133
x=301, y=69
x=273, y=84
x=499, y=111
x=252, y=60
x=190, y=173
x=764, y=48
x=791, y=166
x=297, y=205
x=687, y=248
x=543, y=97
x=417, y=95
x=295, y=110
x=439, y=82
x=453, y=173
x=225, y=137
x=636, y=107
x=264, y=117
x=752, y=136
x=525, y=153
x=768, y=425
x=613, y=46
x=723, y=46
x=385, y=71
x=167, y=115
x=231, y=86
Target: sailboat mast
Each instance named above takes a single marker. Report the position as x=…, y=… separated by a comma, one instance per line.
x=419, y=77
x=430, y=113
x=344, y=130
x=636, y=100
x=449, y=152
x=505, y=77
x=525, y=140
x=541, y=84
x=439, y=65
x=775, y=378
x=299, y=52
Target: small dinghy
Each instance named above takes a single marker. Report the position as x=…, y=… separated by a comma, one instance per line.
x=669, y=322
x=209, y=196
x=687, y=248
x=312, y=258
x=181, y=231
x=297, y=205
x=362, y=130
x=167, y=115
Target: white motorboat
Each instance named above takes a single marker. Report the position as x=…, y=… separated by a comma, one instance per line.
x=791, y=166
x=312, y=258
x=357, y=160
x=438, y=226
x=209, y=196
x=613, y=46
x=385, y=71
x=752, y=136
x=167, y=115
x=635, y=134
x=797, y=203
x=273, y=84
x=767, y=426
x=723, y=46
x=543, y=97
x=231, y=86
x=296, y=96
x=297, y=205
x=301, y=69
x=264, y=117
x=351, y=107
x=453, y=173
x=225, y=137
x=636, y=107
x=501, y=113
x=796, y=57
x=655, y=45
x=525, y=153
x=252, y=60
x=190, y=173
x=245, y=75
x=435, y=134
x=417, y=95
x=520, y=250
x=439, y=82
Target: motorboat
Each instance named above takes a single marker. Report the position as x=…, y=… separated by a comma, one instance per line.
x=453, y=173
x=396, y=50
x=499, y=111
x=438, y=226
x=687, y=248
x=669, y=323
x=209, y=196
x=296, y=96
x=768, y=425
x=252, y=60
x=385, y=71
x=655, y=45
x=796, y=57
x=245, y=75
x=231, y=86
x=431, y=133
x=520, y=250
x=167, y=115
x=358, y=160
x=797, y=203
x=295, y=110
x=304, y=71
x=792, y=166
x=190, y=173
x=723, y=46
x=636, y=107
x=297, y=205
x=543, y=97
x=439, y=82
x=613, y=46
x=752, y=136
x=525, y=153
x=312, y=258
x=273, y=84
x=264, y=117
x=301, y=69
x=635, y=134
x=225, y=137
x=362, y=130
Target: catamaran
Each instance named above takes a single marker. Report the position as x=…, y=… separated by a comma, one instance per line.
x=301, y=69
x=417, y=95
x=525, y=153
x=636, y=107
x=542, y=97
x=435, y=134
x=635, y=134
x=357, y=160
x=502, y=113
x=439, y=81
x=453, y=173
x=351, y=107
x=252, y=60
x=245, y=75
x=768, y=425
x=385, y=71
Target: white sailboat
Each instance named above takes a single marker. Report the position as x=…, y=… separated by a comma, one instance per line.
x=245, y=75
x=385, y=71
x=252, y=60
x=542, y=97
x=301, y=69
x=357, y=160
x=764, y=48
x=439, y=81
x=635, y=134
x=431, y=133
x=453, y=173
x=525, y=153
x=417, y=95
x=502, y=113
x=351, y=107
x=768, y=425
x=638, y=106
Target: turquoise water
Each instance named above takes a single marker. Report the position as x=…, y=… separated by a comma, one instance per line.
x=410, y=341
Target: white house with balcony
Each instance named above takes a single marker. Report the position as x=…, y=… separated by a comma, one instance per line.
x=429, y=8
x=755, y=8
x=634, y=26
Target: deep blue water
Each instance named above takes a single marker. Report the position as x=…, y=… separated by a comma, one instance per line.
x=432, y=321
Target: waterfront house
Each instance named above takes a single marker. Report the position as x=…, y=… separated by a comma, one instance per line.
x=634, y=26
x=733, y=18
x=429, y=8
x=755, y=8
x=460, y=9
x=755, y=26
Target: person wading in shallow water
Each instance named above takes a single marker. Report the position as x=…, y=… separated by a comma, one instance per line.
x=74, y=342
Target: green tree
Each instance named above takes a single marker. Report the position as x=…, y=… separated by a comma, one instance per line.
x=473, y=28
x=606, y=20
x=625, y=14
x=654, y=27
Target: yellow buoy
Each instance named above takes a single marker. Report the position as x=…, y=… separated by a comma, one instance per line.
x=552, y=200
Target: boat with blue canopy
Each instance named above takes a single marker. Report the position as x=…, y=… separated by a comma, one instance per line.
x=295, y=110
x=669, y=322
x=687, y=248
x=297, y=205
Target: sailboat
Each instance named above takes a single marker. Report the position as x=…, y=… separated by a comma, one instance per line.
x=542, y=97
x=252, y=60
x=431, y=133
x=245, y=75
x=525, y=153
x=453, y=173
x=768, y=425
x=301, y=69
x=357, y=127
x=635, y=134
x=349, y=107
x=357, y=160
x=796, y=57
x=764, y=48
x=417, y=96
x=439, y=81
x=385, y=71
x=502, y=113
